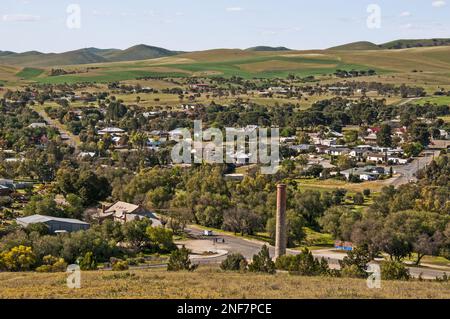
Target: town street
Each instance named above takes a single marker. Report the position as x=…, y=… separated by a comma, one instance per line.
x=407, y=173
x=248, y=248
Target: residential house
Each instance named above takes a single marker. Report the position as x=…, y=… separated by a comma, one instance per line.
x=302, y=148
x=125, y=212
x=37, y=125
x=337, y=151
x=367, y=173
x=111, y=131
x=376, y=157
x=5, y=190
x=370, y=139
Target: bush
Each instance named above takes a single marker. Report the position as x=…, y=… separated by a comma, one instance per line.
x=120, y=265
x=394, y=270
x=358, y=199
x=41, y=228
x=20, y=258
x=179, y=260
x=366, y=192
x=234, y=262
x=52, y=264
x=262, y=262
x=352, y=271
x=303, y=264
x=87, y=262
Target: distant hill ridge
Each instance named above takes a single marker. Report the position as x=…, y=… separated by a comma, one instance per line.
x=268, y=48
x=393, y=45
x=84, y=56
x=145, y=52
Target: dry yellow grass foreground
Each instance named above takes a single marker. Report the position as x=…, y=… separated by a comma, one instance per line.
x=208, y=283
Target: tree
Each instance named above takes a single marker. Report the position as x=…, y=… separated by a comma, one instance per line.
x=43, y=205
x=262, y=262
x=428, y=245
x=241, y=220
x=294, y=228
x=357, y=260
x=135, y=233
x=161, y=238
x=420, y=133
x=339, y=222
x=310, y=205
x=179, y=260
x=344, y=162
x=412, y=149
x=234, y=262
x=85, y=183
x=384, y=136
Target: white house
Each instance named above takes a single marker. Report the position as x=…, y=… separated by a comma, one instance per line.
x=111, y=131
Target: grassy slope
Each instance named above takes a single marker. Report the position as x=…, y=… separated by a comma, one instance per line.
x=207, y=283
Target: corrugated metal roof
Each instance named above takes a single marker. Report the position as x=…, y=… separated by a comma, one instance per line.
x=33, y=219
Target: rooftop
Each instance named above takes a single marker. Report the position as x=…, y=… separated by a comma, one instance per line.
x=34, y=219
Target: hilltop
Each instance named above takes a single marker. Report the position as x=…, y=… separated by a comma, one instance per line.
x=83, y=56
x=268, y=49
x=146, y=52
x=415, y=43
x=393, y=45
x=360, y=45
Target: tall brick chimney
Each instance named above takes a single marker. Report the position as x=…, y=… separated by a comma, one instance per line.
x=280, y=235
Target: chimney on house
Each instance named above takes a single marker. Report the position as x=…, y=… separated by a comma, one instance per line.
x=280, y=235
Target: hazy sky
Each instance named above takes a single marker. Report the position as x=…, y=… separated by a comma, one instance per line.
x=206, y=24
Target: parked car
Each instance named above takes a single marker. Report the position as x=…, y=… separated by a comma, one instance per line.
x=207, y=233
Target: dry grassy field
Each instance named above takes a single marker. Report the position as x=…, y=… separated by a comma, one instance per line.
x=208, y=283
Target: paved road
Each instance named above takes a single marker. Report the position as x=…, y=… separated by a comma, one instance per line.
x=250, y=247
x=72, y=139
x=407, y=173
